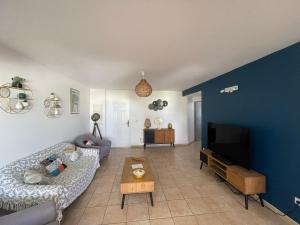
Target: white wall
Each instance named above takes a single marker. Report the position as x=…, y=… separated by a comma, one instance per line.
x=175, y=112
x=24, y=134
x=191, y=115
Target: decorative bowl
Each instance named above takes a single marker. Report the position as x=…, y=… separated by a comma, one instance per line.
x=138, y=173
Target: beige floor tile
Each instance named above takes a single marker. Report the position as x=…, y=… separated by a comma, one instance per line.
x=145, y=222
x=82, y=201
x=189, y=191
x=185, y=220
x=172, y=193
x=115, y=224
x=178, y=179
x=209, y=219
x=158, y=195
x=179, y=208
x=103, y=188
x=92, y=216
x=116, y=199
x=137, y=212
x=166, y=221
x=136, y=198
x=198, y=206
x=99, y=199
x=114, y=214
x=159, y=210
x=72, y=216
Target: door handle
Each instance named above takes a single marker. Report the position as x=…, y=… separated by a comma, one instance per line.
x=128, y=123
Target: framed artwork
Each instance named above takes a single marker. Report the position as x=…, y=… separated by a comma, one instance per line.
x=74, y=101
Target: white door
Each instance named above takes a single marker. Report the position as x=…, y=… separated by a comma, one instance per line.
x=117, y=114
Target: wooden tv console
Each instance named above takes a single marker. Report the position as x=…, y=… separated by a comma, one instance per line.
x=248, y=182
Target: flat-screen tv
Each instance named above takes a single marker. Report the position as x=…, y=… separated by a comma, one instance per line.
x=230, y=142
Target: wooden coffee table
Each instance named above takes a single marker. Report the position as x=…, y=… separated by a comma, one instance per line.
x=132, y=185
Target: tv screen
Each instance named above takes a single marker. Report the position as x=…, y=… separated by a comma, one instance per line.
x=230, y=142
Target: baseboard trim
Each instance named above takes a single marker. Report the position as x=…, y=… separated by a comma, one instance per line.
x=274, y=209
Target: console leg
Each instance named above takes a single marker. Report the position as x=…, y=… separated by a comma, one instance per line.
x=123, y=200
x=261, y=200
x=144, y=146
x=246, y=201
x=151, y=198
x=201, y=165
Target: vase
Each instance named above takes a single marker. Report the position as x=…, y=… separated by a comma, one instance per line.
x=170, y=125
x=147, y=123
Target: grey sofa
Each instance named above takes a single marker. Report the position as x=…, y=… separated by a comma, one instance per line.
x=44, y=214
x=103, y=145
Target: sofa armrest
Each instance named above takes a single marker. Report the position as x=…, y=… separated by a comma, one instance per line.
x=37, y=215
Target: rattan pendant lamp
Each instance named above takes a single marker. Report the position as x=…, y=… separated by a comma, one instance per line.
x=143, y=88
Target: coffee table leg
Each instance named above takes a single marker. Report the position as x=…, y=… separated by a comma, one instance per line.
x=123, y=200
x=151, y=198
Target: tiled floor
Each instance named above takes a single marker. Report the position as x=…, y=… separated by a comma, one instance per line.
x=184, y=195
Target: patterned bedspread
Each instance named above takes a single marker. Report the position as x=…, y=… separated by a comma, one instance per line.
x=63, y=189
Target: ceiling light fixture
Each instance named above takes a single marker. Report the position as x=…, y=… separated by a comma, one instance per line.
x=143, y=88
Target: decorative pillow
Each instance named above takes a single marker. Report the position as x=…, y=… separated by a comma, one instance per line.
x=34, y=177
x=89, y=142
x=74, y=156
x=53, y=165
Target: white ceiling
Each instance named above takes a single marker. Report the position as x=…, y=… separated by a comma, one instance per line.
x=179, y=43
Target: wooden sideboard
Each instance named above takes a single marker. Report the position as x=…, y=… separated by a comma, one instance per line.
x=159, y=136
x=248, y=182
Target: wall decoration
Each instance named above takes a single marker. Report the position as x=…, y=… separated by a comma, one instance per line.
x=74, y=101
x=158, y=105
x=158, y=121
x=52, y=106
x=15, y=97
x=147, y=123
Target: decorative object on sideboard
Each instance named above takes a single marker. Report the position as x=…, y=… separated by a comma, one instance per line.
x=95, y=118
x=143, y=88
x=230, y=90
x=17, y=82
x=74, y=101
x=158, y=121
x=15, y=97
x=158, y=105
x=147, y=123
x=170, y=125
x=53, y=106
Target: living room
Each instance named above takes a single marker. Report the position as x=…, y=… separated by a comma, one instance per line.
x=139, y=113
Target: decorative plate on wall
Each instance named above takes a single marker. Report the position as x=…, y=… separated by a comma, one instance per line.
x=158, y=105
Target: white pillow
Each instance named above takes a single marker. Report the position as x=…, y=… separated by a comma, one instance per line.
x=74, y=156
x=34, y=177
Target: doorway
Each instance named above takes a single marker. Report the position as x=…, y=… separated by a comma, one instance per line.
x=117, y=115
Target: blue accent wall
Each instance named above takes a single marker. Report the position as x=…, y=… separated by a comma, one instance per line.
x=268, y=102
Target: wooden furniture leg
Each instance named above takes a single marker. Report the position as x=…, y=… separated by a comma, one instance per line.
x=261, y=200
x=151, y=198
x=201, y=165
x=123, y=200
x=246, y=201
